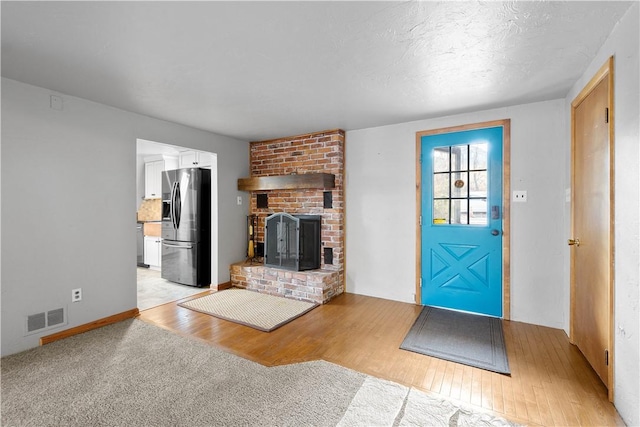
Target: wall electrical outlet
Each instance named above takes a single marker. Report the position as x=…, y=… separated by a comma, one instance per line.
x=76, y=295
x=520, y=196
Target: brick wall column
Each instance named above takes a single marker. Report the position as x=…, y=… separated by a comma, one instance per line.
x=320, y=152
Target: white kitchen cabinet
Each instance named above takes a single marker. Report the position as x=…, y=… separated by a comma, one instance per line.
x=153, y=168
x=153, y=251
x=194, y=159
x=153, y=179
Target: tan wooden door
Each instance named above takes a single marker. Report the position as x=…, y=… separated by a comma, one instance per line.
x=591, y=242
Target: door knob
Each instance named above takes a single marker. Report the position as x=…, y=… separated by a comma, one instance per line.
x=573, y=242
x=495, y=232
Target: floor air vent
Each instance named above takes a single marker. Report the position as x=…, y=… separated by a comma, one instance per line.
x=46, y=320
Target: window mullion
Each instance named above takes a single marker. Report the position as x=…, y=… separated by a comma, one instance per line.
x=468, y=183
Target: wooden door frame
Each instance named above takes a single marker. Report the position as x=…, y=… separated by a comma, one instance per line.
x=506, y=205
x=605, y=72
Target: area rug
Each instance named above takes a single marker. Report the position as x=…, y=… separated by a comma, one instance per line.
x=377, y=403
x=260, y=311
x=385, y=403
x=465, y=338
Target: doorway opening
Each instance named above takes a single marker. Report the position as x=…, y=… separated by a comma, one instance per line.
x=152, y=158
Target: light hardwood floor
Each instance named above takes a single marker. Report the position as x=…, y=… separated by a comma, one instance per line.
x=550, y=383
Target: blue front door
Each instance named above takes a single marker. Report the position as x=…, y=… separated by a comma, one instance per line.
x=462, y=220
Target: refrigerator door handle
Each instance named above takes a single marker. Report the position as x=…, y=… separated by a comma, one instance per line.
x=173, y=205
x=179, y=246
x=178, y=205
x=173, y=186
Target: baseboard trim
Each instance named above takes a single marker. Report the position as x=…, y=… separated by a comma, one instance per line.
x=90, y=326
x=222, y=286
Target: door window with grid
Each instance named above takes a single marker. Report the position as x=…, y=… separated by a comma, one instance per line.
x=460, y=183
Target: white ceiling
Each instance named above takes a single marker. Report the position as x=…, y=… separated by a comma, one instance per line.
x=259, y=70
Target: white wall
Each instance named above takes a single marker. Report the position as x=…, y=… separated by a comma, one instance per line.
x=623, y=44
x=69, y=205
x=381, y=208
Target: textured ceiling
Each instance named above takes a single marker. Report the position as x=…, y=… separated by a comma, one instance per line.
x=257, y=70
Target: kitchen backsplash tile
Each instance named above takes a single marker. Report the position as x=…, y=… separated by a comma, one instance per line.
x=150, y=210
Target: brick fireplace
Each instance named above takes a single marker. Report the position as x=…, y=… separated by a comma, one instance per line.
x=299, y=175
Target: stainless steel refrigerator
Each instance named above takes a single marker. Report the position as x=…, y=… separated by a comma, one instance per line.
x=186, y=226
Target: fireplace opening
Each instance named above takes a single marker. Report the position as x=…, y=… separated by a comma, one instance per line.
x=292, y=242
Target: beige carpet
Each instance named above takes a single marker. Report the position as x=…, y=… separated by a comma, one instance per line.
x=132, y=374
x=259, y=311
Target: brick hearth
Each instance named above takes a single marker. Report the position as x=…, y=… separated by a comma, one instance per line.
x=315, y=286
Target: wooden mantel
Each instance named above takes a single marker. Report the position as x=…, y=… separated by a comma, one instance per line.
x=288, y=182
